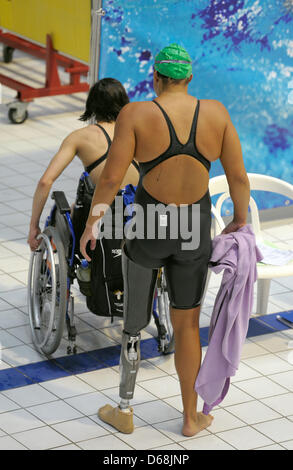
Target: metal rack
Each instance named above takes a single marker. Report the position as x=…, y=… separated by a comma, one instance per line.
x=17, y=110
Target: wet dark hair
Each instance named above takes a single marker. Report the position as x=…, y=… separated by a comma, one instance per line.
x=105, y=100
x=168, y=80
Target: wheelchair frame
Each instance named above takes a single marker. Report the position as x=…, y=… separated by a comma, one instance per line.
x=52, y=271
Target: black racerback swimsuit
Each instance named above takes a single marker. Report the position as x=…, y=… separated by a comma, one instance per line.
x=185, y=269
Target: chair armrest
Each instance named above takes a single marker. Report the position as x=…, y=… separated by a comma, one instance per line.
x=220, y=225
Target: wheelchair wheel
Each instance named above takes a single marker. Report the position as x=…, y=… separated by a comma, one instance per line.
x=47, y=292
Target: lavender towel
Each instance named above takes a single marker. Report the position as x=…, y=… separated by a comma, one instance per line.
x=237, y=254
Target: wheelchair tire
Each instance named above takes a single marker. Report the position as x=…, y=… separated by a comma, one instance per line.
x=47, y=292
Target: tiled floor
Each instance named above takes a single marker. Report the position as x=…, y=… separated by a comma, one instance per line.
x=60, y=411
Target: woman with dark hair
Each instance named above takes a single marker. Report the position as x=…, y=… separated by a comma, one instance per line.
x=90, y=144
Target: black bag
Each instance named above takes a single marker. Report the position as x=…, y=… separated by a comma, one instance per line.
x=106, y=279
x=106, y=267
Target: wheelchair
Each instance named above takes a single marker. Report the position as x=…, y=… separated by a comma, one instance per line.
x=52, y=271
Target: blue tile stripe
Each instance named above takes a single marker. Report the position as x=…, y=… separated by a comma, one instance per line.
x=272, y=322
x=65, y=366
x=50, y=369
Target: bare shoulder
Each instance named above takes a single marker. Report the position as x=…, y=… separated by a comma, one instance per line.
x=75, y=135
x=79, y=138
x=218, y=111
x=135, y=110
x=216, y=106
x=85, y=133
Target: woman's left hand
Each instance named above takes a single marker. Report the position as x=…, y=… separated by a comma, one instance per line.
x=87, y=236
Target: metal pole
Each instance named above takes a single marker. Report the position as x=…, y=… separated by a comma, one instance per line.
x=97, y=13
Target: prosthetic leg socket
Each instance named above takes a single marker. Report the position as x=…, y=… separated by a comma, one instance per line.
x=129, y=364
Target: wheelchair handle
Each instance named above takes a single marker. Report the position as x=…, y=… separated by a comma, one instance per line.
x=61, y=201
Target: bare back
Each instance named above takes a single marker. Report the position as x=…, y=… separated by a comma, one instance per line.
x=181, y=179
x=92, y=144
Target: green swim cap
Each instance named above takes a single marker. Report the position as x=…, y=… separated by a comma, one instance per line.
x=174, y=62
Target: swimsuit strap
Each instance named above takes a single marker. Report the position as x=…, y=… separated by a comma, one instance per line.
x=105, y=134
x=96, y=163
x=176, y=147
x=172, y=131
x=136, y=166
x=193, y=128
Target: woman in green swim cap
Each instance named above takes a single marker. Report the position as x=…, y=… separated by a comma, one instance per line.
x=173, y=65
x=174, y=62
x=174, y=137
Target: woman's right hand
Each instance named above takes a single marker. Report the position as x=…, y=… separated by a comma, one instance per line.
x=232, y=227
x=32, y=238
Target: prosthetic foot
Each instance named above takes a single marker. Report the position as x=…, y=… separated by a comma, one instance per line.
x=120, y=419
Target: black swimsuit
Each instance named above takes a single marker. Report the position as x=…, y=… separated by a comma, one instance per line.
x=185, y=268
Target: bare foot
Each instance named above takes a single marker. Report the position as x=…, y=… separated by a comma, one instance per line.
x=192, y=427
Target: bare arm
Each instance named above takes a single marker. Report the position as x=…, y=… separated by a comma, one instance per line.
x=119, y=158
x=232, y=162
x=59, y=162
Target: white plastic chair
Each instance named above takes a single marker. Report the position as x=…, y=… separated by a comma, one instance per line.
x=265, y=272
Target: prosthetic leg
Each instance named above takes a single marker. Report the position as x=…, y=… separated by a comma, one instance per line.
x=139, y=288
